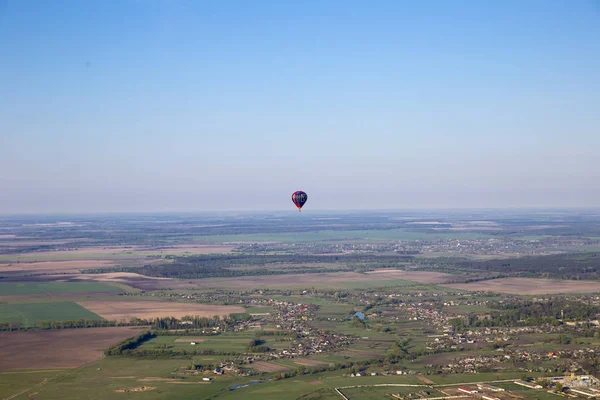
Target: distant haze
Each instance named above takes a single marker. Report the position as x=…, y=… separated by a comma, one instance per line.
x=154, y=105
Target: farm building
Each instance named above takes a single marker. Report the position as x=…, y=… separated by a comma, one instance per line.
x=528, y=384
x=489, y=397
x=467, y=390
x=583, y=392
x=483, y=386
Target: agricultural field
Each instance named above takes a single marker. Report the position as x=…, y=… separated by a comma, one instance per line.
x=127, y=309
x=17, y=289
x=530, y=286
x=235, y=342
x=58, y=349
x=89, y=254
x=337, y=280
x=31, y=314
x=45, y=267
x=12, y=382
x=431, y=315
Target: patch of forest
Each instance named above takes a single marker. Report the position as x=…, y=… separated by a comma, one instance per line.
x=578, y=266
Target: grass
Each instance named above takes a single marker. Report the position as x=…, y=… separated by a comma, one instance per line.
x=258, y=309
x=33, y=313
x=292, y=389
x=228, y=341
x=101, y=379
x=383, y=392
x=481, y=377
x=13, y=289
x=12, y=382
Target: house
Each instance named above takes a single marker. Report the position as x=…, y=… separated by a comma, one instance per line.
x=218, y=371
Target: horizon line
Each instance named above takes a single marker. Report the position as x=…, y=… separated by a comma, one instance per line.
x=292, y=211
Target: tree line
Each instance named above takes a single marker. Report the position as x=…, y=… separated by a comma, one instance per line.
x=72, y=324
x=165, y=323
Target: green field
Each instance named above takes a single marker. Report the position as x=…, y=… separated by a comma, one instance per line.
x=12, y=382
x=237, y=342
x=383, y=392
x=100, y=380
x=33, y=313
x=12, y=289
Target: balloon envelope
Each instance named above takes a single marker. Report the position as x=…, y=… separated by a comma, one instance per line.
x=299, y=198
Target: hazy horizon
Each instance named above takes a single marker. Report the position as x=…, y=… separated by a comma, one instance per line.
x=158, y=106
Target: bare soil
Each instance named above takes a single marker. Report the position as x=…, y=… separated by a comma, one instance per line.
x=530, y=286
x=425, y=380
x=68, y=348
x=264, y=366
x=309, y=363
x=125, y=310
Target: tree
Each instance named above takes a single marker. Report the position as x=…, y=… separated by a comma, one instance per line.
x=558, y=387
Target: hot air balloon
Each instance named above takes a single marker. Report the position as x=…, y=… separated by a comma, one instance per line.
x=299, y=198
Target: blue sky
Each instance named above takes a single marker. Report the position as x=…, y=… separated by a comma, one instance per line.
x=157, y=105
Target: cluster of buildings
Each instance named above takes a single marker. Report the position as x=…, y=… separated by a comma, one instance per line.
x=487, y=246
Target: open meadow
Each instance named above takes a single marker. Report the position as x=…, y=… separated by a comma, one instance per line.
x=52, y=288
x=32, y=314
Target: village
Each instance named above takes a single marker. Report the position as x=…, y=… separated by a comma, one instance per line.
x=471, y=350
x=483, y=246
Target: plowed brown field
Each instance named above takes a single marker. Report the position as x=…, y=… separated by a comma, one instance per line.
x=68, y=348
x=119, y=310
